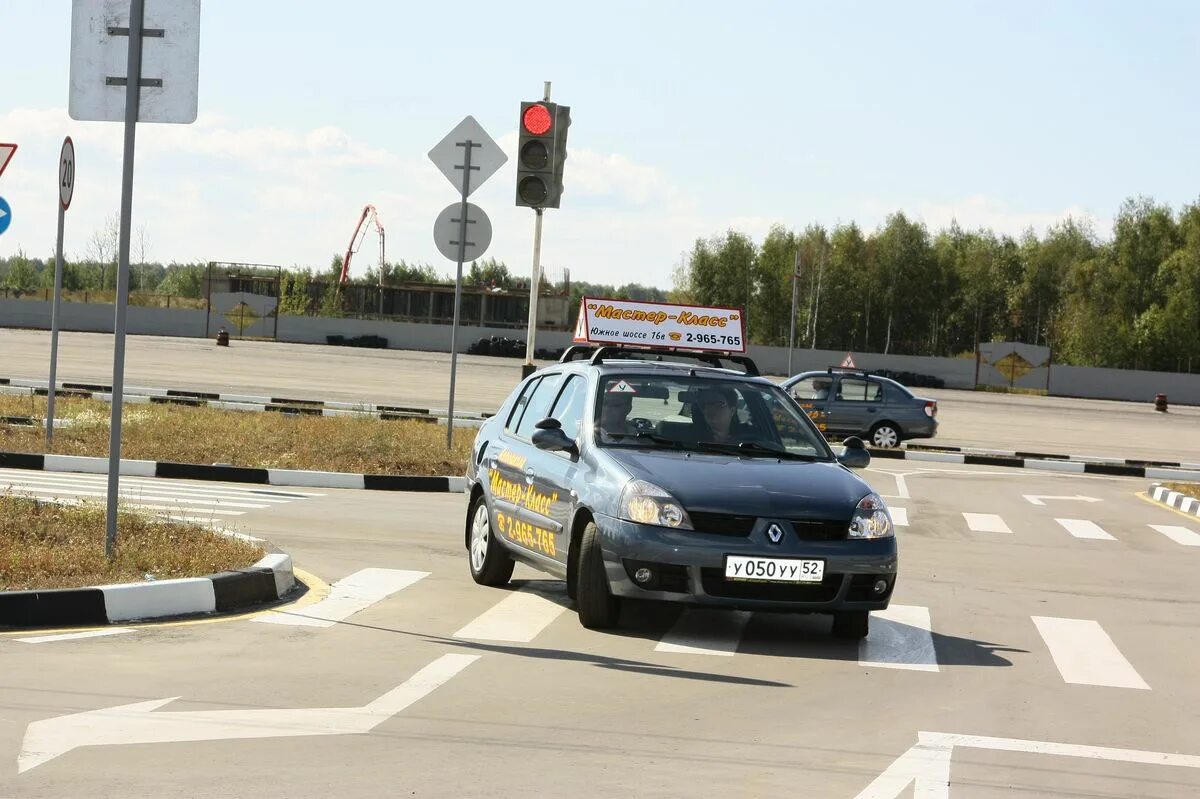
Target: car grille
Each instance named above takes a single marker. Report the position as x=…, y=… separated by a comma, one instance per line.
x=820, y=529
x=715, y=584
x=722, y=524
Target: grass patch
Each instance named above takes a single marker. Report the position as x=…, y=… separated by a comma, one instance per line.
x=47, y=545
x=1187, y=489
x=242, y=438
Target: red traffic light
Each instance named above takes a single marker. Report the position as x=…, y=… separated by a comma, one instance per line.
x=537, y=120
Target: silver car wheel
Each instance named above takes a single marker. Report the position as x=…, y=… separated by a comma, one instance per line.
x=885, y=437
x=481, y=533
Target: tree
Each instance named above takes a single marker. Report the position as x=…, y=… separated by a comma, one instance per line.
x=103, y=249
x=21, y=274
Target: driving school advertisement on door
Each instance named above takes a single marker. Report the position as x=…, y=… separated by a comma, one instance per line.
x=660, y=324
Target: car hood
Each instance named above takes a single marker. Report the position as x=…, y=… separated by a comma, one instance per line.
x=741, y=486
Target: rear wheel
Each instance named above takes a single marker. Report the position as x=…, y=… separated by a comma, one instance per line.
x=490, y=564
x=851, y=623
x=598, y=608
x=885, y=435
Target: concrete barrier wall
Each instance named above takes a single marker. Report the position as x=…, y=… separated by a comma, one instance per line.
x=1066, y=381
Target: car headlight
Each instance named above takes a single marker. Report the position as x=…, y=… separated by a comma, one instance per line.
x=871, y=519
x=646, y=503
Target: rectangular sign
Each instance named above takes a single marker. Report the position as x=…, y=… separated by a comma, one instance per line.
x=170, y=61
x=660, y=324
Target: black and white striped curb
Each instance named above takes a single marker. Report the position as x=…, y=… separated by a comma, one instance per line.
x=1174, y=499
x=1041, y=464
x=234, y=474
x=1008, y=453
x=269, y=580
x=242, y=402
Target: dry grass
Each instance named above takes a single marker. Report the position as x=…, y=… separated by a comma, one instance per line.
x=242, y=438
x=1188, y=489
x=46, y=545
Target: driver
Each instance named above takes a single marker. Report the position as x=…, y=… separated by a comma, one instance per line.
x=718, y=405
x=615, y=409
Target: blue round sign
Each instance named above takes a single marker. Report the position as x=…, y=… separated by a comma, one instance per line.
x=5, y=215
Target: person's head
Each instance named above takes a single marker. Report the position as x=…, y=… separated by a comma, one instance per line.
x=718, y=404
x=615, y=409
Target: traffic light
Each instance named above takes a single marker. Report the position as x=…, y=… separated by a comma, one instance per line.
x=541, y=154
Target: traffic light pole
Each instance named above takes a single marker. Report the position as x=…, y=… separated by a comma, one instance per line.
x=536, y=279
x=795, y=297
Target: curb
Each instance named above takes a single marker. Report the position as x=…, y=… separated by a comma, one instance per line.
x=1018, y=461
x=1005, y=453
x=242, y=402
x=297, y=478
x=269, y=580
x=1174, y=499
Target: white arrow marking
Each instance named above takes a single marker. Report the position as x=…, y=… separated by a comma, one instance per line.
x=1036, y=499
x=926, y=765
x=3, y=214
x=137, y=723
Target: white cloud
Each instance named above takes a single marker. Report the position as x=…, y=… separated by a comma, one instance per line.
x=980, y=211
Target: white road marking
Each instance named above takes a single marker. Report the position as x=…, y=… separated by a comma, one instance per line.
x=900, y=638
x=1039, y=499
x=175, y=484
x=705, y=632
x=126, y=494
x=1085, y=655
x=137, y=723
x=899, y=516
x=126, y=503
x=163, y=487
x=1082, y=528
x=47, y=639
x=926, y=765
x=348, y=596
x=986, y=523
x=519, y=617
x=1178, y=534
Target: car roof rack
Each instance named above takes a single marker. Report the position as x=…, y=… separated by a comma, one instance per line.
x=598, y=355
x=847, y=370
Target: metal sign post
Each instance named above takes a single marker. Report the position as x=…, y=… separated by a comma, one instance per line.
x=66, y=190
x=795, y=297
x=170, y=94
x=467, y=156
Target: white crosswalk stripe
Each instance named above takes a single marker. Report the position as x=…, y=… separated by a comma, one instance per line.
x=901, y=637
x=899, y=516
x=1085, y=654
x=181, y=500
x=986, y=523
x=519, y=617
x=348, y=596
x=1178, y=534
x=705, y=632
x=1082, y=528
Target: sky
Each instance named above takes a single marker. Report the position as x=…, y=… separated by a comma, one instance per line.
x=688, y=119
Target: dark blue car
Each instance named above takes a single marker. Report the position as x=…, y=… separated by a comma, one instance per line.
x=633, y=476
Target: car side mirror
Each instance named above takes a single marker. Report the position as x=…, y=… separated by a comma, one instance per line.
x=856, y=455
x=549, y=423
x=553, y=439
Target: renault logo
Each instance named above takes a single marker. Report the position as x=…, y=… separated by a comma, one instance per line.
x=775, y=533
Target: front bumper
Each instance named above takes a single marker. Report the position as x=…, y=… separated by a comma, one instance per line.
x=689, y=568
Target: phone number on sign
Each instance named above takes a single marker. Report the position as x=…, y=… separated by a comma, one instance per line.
x=707, y=338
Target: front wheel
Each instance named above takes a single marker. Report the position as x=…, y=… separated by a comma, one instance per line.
x=851, y=624
x=885, y=435
x=490, y=564
x=598, y=608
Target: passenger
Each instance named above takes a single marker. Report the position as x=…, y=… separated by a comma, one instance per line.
x=718, y=406
x=614, y=411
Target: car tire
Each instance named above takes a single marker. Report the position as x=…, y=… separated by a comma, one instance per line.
x=851, y=624
x=598, y=608
x=489, y=562
x=886, y=435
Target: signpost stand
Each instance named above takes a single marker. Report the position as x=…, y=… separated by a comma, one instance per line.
x=463, y=231
x=171, y=95
x=66, y=189
x=795, y=297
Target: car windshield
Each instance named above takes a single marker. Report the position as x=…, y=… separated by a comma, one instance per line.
x=704, y=414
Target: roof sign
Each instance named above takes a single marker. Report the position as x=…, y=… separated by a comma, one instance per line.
x=659, y=324
x=848, y=362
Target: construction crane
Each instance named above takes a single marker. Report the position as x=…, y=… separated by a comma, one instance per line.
x=369, y=216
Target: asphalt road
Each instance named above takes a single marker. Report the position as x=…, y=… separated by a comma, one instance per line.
x=1027, y=663
x=1044, y=424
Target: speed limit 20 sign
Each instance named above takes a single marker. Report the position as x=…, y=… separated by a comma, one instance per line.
x=66, y=173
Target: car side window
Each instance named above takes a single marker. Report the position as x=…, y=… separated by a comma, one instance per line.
x=568, y=408
x=812, y=388
x=519, y=405
x=854, y=390
x=538, y=407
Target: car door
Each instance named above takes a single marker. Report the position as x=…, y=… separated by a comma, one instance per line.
x=813, y=393
x=855, y=404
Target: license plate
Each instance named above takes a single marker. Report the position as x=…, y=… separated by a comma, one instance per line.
x=773, y=570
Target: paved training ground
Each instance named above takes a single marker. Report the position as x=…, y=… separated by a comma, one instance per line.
x=393, y=377
x=1042, y=643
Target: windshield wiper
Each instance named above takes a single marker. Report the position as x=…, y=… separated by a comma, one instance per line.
x=646, y=435
x=757, y=448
